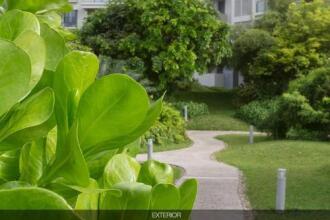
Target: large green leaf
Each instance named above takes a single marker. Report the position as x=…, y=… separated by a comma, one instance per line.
x=165, y=197
x=39, y=5
x=74, y=74
x=188, y=192
x=135, y=196
x=121, y=168
x=55, y=46
x=31, y=198
x=152, y=115
x=31, y=162
x=88, y=201
x=9, y=169
x=15, y=71
x=14, y=23
x=111, y=108
x=35, y=47
x=69, y=162
x=34, y=111
x=153, y=172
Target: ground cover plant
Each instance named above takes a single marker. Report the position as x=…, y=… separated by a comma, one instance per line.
x=307, y=164
x=194, y=108
x=67, y=139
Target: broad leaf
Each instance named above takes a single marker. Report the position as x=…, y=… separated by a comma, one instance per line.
x=14, y=184
x=153, y=172
x=14, y=23
x=74, y=74
x=112, y=107
x=188, y=192
x=15, y=71
x=35, y=47
x=32, y=161
x=97, y=162
x=69, y=160
x=135, y=196
x=9, y=169
x=55, y=46
x=120, y=168
x=34, y=111
x=31, y=198
x=39, y=5
x=133, y=148
x=165, y=197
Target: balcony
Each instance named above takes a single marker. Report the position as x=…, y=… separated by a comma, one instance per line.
x=91, y=4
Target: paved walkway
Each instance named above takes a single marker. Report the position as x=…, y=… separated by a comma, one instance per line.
x=219, y=184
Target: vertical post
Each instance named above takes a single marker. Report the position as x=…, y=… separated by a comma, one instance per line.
x=185, y=112
x=281, y=187
x=150, y=146
x=251, y=134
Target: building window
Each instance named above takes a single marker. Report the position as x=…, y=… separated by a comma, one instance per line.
x=221, y=6
x=70, y=19
x=261, y=6
x=243, y=8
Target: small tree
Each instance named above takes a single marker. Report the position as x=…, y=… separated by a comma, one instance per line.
x=173, y=39
x=301, y=43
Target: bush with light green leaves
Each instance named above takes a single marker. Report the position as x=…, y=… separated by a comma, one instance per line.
x=65, y=137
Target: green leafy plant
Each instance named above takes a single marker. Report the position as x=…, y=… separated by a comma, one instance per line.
x=65, y=137
x=171, y=39
x=169, y=127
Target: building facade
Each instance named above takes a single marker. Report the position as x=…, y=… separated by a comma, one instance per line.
x=233, y=12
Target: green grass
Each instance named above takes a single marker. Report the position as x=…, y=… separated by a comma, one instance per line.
x=168, y=147
x=222, y=110
x=307, y=164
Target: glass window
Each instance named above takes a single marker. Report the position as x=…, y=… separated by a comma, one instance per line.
x=221, y=6
x=261, y=6
x=243, y=7
x=70, y=19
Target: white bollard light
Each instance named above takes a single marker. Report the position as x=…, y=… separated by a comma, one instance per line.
x=150, y=146
x=185, y=111
x=251, y=134
x=281, y=188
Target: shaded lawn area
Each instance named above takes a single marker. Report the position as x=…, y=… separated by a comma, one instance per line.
x=307, y=164
x=168, y=147
x=222, y=110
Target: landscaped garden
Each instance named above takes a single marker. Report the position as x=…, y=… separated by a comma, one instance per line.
x=307, y=164
x=78, y=109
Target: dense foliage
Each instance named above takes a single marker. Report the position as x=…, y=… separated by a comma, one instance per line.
x=194, y=108
x=296, y=40
x=65, y=138
x=302, y=112
x=172, y=39
x=169, y=128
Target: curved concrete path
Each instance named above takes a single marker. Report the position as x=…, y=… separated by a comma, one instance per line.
x=220, y=185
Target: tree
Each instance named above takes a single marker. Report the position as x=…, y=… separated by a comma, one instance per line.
x=302, y=43
x=173, y=39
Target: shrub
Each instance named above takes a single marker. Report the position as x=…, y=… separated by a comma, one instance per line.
x=262, y=114
x=306, y=106
x=194, y=109
x=169, y=128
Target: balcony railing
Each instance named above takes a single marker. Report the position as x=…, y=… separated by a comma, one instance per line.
x=94, y=1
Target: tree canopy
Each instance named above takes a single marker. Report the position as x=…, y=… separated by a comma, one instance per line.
x=171, y=39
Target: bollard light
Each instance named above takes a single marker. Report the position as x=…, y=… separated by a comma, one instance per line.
x=281, y=188
x=150, y=146
x=185, y=111
x=251, y=134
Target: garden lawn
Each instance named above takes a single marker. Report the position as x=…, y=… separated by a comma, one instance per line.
x=168, y=147
x=307, y=164
x=222, y=110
